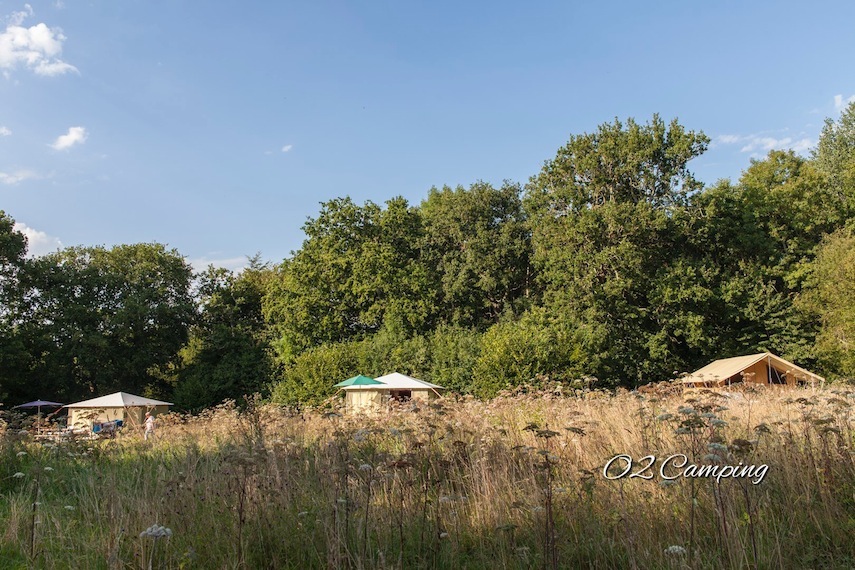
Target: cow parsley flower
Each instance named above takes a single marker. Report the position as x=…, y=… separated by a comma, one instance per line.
x=675, y=550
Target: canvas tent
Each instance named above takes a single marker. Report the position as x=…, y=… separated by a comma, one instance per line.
x=366, y=396
x=129, y=408
x=762, y=368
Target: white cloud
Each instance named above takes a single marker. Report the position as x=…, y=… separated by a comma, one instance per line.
x=727, y=139
x=236, y=264
x=75, y=135
x=840, y=103
x=37, y=48
x=18, y=176
x=38, y=243
x=763, y=144
x=287, y=147
x=4, y=131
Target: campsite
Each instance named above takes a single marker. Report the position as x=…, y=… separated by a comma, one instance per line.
x=516, y=482
x=427, y=285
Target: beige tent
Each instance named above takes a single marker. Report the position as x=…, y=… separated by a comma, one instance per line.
x=129, y=408
x=394, y=386
x=762, y=368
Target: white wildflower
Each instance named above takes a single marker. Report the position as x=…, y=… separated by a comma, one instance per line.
x=675, y=550
x=48, y=468
x=717, y=448
x=68, y=508
x=18, y=475
x=365, y=467
x=156, y=531
x=21, y=453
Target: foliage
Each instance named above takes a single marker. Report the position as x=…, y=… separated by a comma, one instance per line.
x=309, y=379
x=525, y=351
x=831, y=301
x=835, y=156
x=228, y=356
x=98, y=320
x=357, y=263
x=478, y=242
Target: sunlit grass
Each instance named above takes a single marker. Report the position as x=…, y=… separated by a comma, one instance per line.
x=517, y=482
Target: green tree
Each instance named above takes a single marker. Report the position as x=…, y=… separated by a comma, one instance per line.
x=478, y=242
x=357, y=264
x=228, y=355
x=835, y=155
x=608, y=222
x=101, y=320
x=830, y=299
x=13, y=354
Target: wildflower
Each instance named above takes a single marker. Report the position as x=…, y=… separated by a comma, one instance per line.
x=443, y=535
x=708, y=415
x=302, y=514
x=682, y=431
x=675, y=550
x=48, y=468
x=21, y=453
x=365, y=467
x=718, y=423
x=18, y=475
x=717, y=448
x=68, y=508
x=360, y=435
x=23, y=432
x=156, y=531
x=445, y=499
x=664, y=417
x=686, y=410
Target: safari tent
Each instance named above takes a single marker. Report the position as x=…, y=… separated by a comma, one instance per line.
x=129, y=408
x=762, y=368
x=371, y=396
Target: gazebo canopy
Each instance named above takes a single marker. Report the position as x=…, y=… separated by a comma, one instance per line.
x=118, y=400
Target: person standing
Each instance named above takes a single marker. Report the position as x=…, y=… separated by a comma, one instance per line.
x=149, y=426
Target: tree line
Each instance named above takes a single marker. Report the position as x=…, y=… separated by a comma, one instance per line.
x=612, y=266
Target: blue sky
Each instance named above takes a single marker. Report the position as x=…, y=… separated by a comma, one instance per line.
x=218, y=127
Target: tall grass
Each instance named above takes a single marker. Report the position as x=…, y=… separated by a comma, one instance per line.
x=516, y=482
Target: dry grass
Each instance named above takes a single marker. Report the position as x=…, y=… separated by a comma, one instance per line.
x=517, y=482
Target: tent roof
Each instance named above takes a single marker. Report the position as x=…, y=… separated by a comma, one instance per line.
x=720, y=370
x=397, y=381
x=118, y=400
x=357, y=381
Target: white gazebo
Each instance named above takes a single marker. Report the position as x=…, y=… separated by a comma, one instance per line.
x=129, y=408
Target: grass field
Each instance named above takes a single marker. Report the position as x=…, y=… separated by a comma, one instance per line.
x=517, y=482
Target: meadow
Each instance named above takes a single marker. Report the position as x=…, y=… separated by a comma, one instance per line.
x=514, y=482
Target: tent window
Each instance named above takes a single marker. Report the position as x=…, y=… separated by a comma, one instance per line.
x=776, y=377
